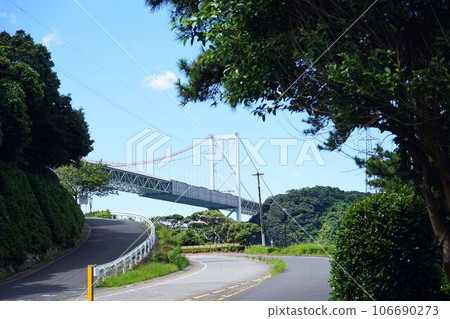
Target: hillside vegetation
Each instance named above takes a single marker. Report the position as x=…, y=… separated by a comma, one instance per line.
x=36, y=215
x=312, y=214
x=39, y=129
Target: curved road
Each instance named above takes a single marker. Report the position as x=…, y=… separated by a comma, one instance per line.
x=232, y=277
x=305, y=279
x=66, y=277
x=210, y=277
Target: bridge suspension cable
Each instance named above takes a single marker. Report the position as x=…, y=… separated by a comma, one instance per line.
x=165, y=157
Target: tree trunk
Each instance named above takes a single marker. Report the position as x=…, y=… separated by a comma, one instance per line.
x=438, y=209
x=445, y=244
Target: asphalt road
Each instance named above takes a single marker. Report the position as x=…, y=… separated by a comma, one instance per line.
x=305, y=279
x=66, y=277
x=225, y=277
x=210, y=277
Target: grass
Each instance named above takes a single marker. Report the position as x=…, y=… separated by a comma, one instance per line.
x=278, y=265
x=294, y=250
x=144, y=272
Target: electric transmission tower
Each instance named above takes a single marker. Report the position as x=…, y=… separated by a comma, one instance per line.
x=367, y=151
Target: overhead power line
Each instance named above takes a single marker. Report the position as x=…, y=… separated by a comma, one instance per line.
x=134, y=60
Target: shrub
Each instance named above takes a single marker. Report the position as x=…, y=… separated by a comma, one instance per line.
x=175, y=257
x=166, y=241
x=101, y=214
x=295, y=250
x=36, y=213
x=386, y=244
x=22, y=224
x=61, y=212
x=212, y=248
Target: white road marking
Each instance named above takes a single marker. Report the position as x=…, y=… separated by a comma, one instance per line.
x=151, y=286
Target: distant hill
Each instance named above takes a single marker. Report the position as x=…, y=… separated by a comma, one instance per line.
x=309, y=207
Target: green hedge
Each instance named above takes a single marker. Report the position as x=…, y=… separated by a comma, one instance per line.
x=36, y=213
x=61, y=212
x=101, y=214
x=210, y=249
x=294, y=250
x=387, y=245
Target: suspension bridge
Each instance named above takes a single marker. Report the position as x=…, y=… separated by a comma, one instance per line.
x=217, y=150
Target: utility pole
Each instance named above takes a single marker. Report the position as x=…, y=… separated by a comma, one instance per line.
x=263, y=239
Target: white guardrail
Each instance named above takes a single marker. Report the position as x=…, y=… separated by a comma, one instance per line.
x=138, y=254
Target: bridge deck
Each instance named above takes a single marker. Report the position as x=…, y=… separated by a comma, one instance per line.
x=179, y=192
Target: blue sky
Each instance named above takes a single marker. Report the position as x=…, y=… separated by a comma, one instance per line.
x=110, y=81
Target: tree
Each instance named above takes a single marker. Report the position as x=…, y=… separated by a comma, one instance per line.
x=307, y=207
x=387, y=170
x=243, y=233
x=175, y=221
x=38, y=126
x=346, y=64
x=190, y=237
x=86, y=179
x=211, y=224
x=387, y=248
x=331, y=221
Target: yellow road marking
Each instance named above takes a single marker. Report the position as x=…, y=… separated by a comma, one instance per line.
x=252, y=282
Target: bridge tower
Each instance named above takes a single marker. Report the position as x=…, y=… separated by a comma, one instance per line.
x=225, y=148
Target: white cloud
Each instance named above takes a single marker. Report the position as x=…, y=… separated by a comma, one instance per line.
x=52, y=38
x=10, y=16
x=160, y=81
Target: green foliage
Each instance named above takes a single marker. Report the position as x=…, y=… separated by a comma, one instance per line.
x=14, y=122
x=377, y=75
x=294, y=250
x=175, y=257
x=144, y=272
x=101, y=214
x=166, y=241
x=385, y=243
x=222, y=248
x=307, y=207
x=212, y=225
x=330, y=222
x=391, y=71
x=38, y=126
x=167, y=248
x=174, y=221
x=62, y=214
x=258, y=249
x=86, y=179
x=278, y=265
x=387, y=170
x=243, y=233
x=36, y=213
x=190, y=237
x=23, y=226
x=209, y=227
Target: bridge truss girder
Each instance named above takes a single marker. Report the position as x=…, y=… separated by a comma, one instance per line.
x=136, y=183
x=157, y=188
